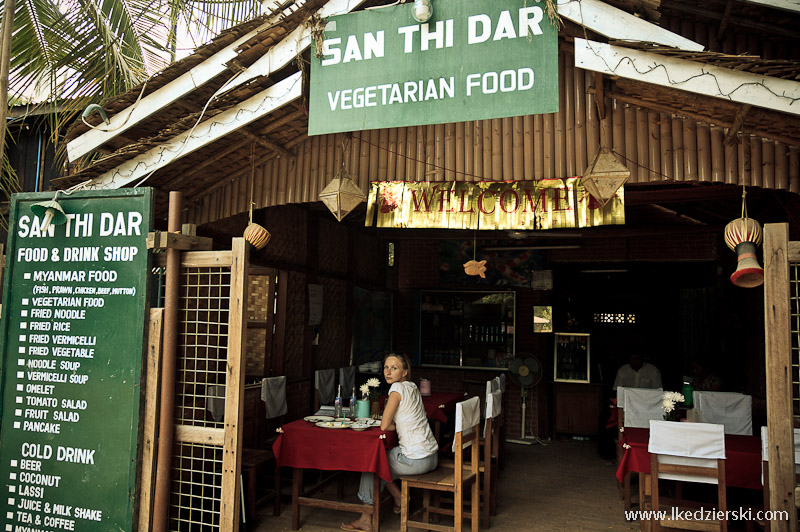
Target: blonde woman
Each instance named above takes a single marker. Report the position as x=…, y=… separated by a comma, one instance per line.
x=416, y=453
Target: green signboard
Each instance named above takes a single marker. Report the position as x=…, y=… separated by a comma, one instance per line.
x=73, y=327
x=473, y=60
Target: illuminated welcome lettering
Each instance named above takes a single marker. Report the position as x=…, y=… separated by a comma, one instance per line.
x=529, y=205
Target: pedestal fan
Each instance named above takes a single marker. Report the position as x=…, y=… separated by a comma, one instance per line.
x=526, y=372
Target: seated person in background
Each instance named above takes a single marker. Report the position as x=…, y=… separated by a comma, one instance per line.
x=704, y=379
x=416, y=453
x=637, y=374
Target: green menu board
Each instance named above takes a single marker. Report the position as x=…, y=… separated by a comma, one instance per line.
x=73, y=328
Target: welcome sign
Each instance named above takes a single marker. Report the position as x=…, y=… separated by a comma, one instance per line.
x=525, y=205
x=473, y=60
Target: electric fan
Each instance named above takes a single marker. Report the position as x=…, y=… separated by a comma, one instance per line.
x=526, y=372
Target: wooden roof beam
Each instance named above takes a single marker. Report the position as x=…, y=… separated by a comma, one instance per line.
x=266, y=143
x=724, y=83
x=292, y=45
x=212, y=129
x=278, y=56
x=792, y=141
x=163, y=96
x=786, y=5
x=617, y=24
x=738, y=123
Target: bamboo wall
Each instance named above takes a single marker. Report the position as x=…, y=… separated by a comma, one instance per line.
x=655, y=146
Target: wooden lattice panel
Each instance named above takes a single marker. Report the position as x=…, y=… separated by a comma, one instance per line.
x=205, y=480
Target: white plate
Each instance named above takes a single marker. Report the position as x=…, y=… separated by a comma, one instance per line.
x=360, y=426
x=333, y=425
x=317, y=419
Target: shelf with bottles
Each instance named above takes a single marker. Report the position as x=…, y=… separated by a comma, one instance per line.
x=466, y=329
x=571, y=357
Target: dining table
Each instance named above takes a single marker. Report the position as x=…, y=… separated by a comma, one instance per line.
x=304, y=445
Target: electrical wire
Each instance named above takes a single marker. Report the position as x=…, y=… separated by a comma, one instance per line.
x=130, y=113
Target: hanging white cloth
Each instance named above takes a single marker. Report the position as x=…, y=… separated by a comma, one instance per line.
x=325, y=383
x=273, y=393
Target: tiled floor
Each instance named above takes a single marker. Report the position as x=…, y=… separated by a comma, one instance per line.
x=563, y=486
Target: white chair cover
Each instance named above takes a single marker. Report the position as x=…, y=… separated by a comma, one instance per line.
x=468, y=414
x=325, y=383
x=494, y=406
x=273, y=393
x=765, y=450
x=641, y=405
x=215, y=401
x=347, y=378
x=492, y=386
x=765, y=445
x=695, y=444
x=734, y=410
x=502, y=380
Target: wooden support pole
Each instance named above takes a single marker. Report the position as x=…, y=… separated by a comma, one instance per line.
x=152, y=378
x=168, y=365
x=778, y=351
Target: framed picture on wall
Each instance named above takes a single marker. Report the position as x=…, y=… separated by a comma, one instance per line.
x=571, y=357
x=542, y=319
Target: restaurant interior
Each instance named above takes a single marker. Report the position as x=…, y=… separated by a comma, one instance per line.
x=659, y=285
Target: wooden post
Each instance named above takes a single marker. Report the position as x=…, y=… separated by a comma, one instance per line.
x=152, y=378
x=168, y=364
x=779, y=375
x=234, y=389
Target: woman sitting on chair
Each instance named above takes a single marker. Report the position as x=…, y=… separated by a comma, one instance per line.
x=416, y=454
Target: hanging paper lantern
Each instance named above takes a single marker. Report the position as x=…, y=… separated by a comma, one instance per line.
x=743, y=235
x=604, y=175
x=341, y=195
x=257, y=235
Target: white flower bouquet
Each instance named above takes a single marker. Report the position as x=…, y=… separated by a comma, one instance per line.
x=369, y=390
x=669, y=400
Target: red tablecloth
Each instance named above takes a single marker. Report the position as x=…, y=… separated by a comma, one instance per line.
x=437, y=404
x=304, y=445
x=742, y=457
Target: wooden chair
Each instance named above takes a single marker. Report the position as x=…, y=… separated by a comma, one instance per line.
x=642, y=404
x=689, y=452
x=490, y=454
x=253, y=461
x=454, y=480
x=731, y=409
x=256, y=461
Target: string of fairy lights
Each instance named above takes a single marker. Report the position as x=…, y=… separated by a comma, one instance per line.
x=172, y=152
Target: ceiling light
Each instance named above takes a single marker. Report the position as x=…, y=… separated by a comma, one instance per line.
x=422, y=10
x=50, y=212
